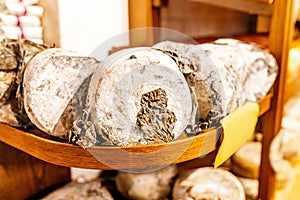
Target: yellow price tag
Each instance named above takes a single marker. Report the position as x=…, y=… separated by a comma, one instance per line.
x=238, y=127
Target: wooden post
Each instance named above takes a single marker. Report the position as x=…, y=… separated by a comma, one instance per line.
x=279, y=40
x=140, y=16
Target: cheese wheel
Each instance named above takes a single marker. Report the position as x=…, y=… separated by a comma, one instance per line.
x=292, y=106
x=225, y=74
x=284, y=155
x=250, y=187
x=246, y=161
x=6, y=81
x=8, y=66
x=51, y=80
x=14, y=56
x=208, y=183
x=81, y=191
x=151, y=185
x=138, y=96
x=290, y=123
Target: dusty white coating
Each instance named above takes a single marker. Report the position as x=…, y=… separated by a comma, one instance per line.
x=208, y=183
x=257, y=67
x=90, y=190
x=144, y=186
x=240, y=72
x=128, y=74
x=51, y=79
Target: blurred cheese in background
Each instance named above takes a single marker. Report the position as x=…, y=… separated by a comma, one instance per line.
x=83, y=25
x=287, y=157
x=294, y=61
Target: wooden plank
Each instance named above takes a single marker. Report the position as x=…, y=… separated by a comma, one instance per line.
x=50, y=22
x=262, y=24
x=279, y=40
x=25, y=177
x=247, y=6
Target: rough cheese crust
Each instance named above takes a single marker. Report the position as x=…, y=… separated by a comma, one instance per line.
x=118, y=86
x=246, y=161
x=14, y=54
x=259, y=70
x=225, y=74
x=51, y=79
x=208, y=183
x=81, y=191
x=6, y=81
x=144, y=186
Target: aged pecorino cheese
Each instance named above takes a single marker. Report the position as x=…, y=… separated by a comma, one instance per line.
x=284, y=155
x=51, y=80
x=151, y=185
x=8, y=73
x=258, y=71
x=250, y=187
x=223, y=74
x=6, y=81
x=92, y=190
x=14, y=54
x=246, y=161
x=208, y=183
x=138, y=96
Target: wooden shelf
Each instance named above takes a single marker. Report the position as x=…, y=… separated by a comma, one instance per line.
x=55, y=151
x=254, y=7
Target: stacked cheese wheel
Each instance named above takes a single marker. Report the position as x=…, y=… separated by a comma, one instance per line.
x=140, y=95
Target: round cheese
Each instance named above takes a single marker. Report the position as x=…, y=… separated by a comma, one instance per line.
x=138, y=96
x=51, y=79
x=246, y=161
x=208, y=183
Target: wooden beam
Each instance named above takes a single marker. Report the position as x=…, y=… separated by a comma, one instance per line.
x=258, y=7
x=279, y=40
x=140, y=16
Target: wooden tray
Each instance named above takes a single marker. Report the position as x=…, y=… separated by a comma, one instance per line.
x=111, y=157
x=52, y=150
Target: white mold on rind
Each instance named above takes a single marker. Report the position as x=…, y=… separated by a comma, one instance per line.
x=51, y=79
x=118, y=85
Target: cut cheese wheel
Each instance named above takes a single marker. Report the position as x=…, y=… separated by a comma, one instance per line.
x=51, y=80
x=208, y=183
x=138, y=96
